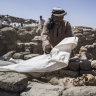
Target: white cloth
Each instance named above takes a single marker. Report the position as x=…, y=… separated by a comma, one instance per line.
x=57, y=59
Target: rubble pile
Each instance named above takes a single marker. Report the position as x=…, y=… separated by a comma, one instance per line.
x=87, y=36
x=23, y=43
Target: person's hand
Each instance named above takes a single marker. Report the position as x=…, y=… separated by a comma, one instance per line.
x=48, y=48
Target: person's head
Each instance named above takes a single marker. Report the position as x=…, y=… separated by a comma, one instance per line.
x=58, y=14
x=40, y=17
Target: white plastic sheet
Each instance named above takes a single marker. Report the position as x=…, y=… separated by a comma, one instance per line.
x=57, y=59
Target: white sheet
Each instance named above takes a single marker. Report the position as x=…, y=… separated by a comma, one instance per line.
x=57, y=59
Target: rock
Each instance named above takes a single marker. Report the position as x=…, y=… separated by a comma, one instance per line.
x=37, y=39
x=36, y=48
x=85, y=80
x=8, y=37
x=66, y=82
x=20, y=55
x=8, y=55
x=4, y=63
x=86, y=36
x=91, y=51
x=37, y=89
x=32, y=47
x=70, y=73
x=6, y=93
x=93, y=72
x=27, y=47
x=36, y=74
x=76, y=31
x=74, y=66
x=30, y=56
x=78, y=81
x=38, y=31
x=28, y=28
x=89, y=80
x=75, y=58
x=20, y=47
x=85, y=65
x=54, y=81
x=80, y=91
x=83, y=56
x=61, y=73
x=83, y=49
x=25, y=36
x=88, y=51
x=1, y=58
x=85, y=72
x=8, y=33
x=21, y=30
x=93, y=64
x=87, y=30
x=14, y=82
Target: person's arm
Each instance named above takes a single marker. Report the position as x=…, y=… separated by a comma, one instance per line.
x=45, y=39
x=68, y=30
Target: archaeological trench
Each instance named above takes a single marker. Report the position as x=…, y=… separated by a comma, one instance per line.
x=77, y=79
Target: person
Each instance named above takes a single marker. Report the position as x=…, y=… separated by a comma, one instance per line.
x=0, y=22
x=55, y=30
x=41, y=22
x=21, y=24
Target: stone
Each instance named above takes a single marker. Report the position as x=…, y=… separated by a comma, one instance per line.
x=74, y=66
x=89, y=80
x=83, y=49
x=26, y=57
x=14, y=82
x=36, y=47
x=25, y=36
x=87, y=30
x=37, y=89
x=36, y=74
x=78, y=81
x=38, y=31
x=1, y=58
x=20, y=47
x=85, y=80
x=70, y=73
x=85, y=72
x=83, y=56
x=4, y=63
x=37, y=39
x=28, y=28
x=8, y=55
x=54, y=81
x=8, y=37
x=6, y=93
x=66, y=82
x=93, y=64
x=27, y=47
x=80, y=91
x=93, y=72
x=76, y=31
x=20, y=55
x=75, y=58
x=85, y=65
